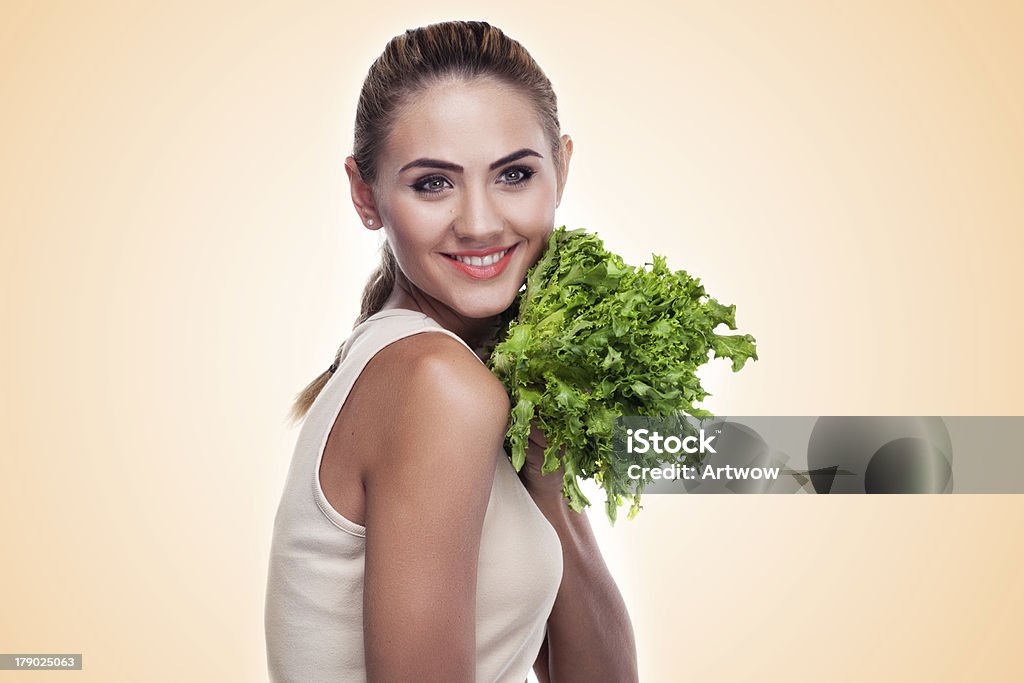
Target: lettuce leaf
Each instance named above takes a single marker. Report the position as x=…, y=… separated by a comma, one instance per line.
x=594, y=339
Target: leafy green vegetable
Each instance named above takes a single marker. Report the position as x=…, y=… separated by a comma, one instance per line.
x=595, y=339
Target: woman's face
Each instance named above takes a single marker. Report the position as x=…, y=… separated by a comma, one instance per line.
x=466, y=190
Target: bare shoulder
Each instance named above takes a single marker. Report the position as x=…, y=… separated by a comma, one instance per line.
x=429, y=388
x=436, y=367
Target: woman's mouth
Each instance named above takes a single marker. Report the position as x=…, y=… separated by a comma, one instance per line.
x=482, y=267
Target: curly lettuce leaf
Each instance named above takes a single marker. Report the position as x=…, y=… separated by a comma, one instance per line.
x=596, y=338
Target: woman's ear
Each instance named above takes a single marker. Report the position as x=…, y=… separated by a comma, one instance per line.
x=362, y=196
x=565, y=154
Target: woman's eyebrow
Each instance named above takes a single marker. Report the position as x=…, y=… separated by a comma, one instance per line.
x=514, y=156
x=448, y=166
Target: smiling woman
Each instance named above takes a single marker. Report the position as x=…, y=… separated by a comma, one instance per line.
x=486, y=263
x=406, y=546
x=458, y=179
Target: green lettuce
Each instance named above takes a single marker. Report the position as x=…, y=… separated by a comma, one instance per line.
x=593, y=339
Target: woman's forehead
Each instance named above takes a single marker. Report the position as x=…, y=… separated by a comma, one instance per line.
x=464, y=123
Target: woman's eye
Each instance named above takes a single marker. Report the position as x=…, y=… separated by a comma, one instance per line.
x=517, y=175
x=431, y=185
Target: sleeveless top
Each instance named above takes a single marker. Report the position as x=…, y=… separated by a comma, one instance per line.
x=313, y=614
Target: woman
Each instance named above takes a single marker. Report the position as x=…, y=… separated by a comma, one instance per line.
x=406, y=547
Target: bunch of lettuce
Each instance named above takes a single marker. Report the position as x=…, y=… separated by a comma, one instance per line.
x=594, y=339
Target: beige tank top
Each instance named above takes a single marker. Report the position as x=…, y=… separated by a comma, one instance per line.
x=314, y=600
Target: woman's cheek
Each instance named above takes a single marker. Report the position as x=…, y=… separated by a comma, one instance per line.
x=429, y=217
x=532, y=208
x=540, y=216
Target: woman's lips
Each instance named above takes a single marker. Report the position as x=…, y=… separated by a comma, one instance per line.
x=482, y=272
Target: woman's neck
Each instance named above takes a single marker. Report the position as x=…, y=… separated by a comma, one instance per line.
x=476, y=332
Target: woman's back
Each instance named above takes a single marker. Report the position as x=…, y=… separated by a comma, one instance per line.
x=315, y=592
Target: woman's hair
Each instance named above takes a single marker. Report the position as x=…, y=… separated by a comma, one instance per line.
x=412, y=62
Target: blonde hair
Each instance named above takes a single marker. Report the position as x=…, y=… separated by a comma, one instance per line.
x=412, y=62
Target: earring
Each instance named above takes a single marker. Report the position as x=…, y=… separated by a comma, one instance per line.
x=369, y=221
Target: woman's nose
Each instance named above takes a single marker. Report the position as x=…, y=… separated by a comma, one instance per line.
x=477, y=218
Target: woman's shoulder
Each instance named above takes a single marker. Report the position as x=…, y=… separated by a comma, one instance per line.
x=433, y=376
x=436, y=407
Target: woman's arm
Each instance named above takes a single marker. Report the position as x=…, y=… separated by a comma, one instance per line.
x=589, y=633
x=540, y=667
x=427, y=490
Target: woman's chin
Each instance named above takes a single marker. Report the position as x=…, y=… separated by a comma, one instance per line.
x=483, y=312
x=479, y=310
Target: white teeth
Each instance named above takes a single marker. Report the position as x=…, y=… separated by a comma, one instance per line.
x=488, y=260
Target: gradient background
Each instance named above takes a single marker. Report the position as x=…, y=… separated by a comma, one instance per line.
x=180, y=256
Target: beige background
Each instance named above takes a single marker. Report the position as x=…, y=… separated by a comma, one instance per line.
x=180, y=257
